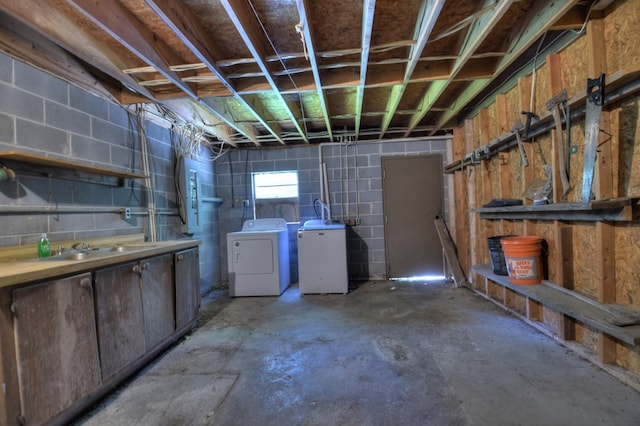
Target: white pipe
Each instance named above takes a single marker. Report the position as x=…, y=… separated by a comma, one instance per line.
x=327, y=203
x=355, y=159
x=341, y=185
x=324, y=184
x=149, y=181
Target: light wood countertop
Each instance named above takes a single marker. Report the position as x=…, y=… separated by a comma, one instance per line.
x=33, y=270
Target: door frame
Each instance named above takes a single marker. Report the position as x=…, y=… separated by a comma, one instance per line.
x=441, y=212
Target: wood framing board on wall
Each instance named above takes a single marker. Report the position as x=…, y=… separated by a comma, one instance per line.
x=595, y=258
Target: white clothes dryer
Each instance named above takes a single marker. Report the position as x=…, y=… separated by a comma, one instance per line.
x=258, y=258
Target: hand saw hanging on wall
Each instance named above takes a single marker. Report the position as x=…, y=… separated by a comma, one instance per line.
x=595, y=99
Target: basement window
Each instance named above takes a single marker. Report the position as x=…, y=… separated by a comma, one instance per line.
x=275, y=194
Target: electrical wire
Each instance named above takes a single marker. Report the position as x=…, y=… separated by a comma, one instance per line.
x=132, y=123
x=586, y=19
x=264, y=30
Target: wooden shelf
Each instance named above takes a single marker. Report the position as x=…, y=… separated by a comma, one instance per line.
x=598, y=316
x=616, y=210
x=41, y=160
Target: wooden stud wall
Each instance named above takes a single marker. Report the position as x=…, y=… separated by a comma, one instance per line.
x=598, y=259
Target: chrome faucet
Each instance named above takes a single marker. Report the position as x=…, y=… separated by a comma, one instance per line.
x=83, y=245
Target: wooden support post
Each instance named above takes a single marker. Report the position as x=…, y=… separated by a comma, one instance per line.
x=471, y=193
x=461, y=204
x=564, y=266
x=527, y=173
x=485, y=172
x=534, y=310
x=563, y=234
x=504, y=175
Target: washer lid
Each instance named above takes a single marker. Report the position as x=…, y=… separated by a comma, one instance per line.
x=320, y=224
x=269, y=224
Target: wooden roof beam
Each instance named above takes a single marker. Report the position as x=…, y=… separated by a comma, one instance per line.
x=28, y=45
x=68, y=35
x=426, y=21
x=184, y=25
x=113, y=18
x=244, y=21
x=201, y=116
x=368, y=12
x=308, y=40
x=478, y=32
x=540, y=19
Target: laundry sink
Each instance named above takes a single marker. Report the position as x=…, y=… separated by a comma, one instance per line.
x=124, y=248
x=77, y=255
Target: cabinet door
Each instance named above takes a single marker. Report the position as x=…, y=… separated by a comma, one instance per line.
x=119, y=317
x=157, y=299
x=187, y=278
x=56, y=346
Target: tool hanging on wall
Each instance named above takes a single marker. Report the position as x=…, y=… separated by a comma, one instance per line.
x=595, y=98
x=527, y=124
x=516, y=131
x=554, y=105
x=531, y=116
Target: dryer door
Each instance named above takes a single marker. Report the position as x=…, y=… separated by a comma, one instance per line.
x=252, y=256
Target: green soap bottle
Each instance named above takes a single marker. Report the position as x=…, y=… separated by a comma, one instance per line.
x=44, y=247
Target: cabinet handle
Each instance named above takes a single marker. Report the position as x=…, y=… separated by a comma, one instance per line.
x=85, y=283
x=145, y=265
x=180, y=258
x=135, y=269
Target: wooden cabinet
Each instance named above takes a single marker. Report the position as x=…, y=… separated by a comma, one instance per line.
x=56, y=346
x=119, y=317
x=157, y=299
x=187, y=282
x=135, y=312
x=67, y=342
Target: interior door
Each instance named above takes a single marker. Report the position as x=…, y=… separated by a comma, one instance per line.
x=412, y=190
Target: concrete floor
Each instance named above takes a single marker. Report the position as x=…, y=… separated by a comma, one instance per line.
x=385, y=354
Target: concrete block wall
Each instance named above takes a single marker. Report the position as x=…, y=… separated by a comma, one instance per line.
x=41, y=114
x=355, y=187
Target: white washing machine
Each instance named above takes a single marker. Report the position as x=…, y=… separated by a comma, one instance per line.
x=322, y=258
x=258, y=258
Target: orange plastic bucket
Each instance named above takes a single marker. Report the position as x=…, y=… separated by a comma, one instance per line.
x=523, y=256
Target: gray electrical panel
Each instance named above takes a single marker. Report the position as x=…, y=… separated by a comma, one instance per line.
x=189, y=195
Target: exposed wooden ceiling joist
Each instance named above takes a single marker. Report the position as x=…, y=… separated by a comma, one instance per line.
x=426, y=21
x=185, y=26
x=245, y=21
x=307, y=39
x=238, y=68
x=126, y=29
x=368, y=12
x=539, y=20
x=479, y=30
